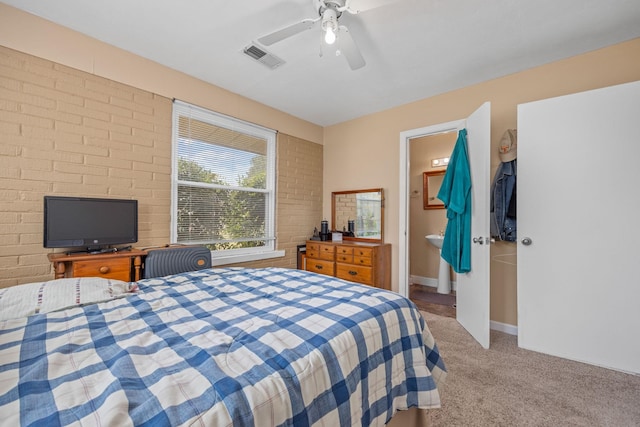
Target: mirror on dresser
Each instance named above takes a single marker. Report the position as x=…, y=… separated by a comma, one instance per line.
x=359, y=214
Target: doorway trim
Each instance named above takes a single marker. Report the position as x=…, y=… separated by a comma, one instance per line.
x=403, y=208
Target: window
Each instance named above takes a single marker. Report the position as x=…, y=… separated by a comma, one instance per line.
x=223, y=185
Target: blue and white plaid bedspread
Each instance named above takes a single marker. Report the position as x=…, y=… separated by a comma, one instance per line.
x=222, y=347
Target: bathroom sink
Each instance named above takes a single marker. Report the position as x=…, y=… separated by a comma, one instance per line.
x=444, y=277
x=435, y=239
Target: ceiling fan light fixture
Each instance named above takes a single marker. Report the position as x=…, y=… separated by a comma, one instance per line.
x=329, y=36
x=330, y=25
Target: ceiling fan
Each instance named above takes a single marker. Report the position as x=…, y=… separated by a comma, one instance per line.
x=329, y=12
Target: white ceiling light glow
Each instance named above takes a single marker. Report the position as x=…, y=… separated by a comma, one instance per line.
x=330, y=25
x=443, y=161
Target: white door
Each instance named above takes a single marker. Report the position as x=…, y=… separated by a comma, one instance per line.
x=472, y=297
x=473, y=287
x=579, y=206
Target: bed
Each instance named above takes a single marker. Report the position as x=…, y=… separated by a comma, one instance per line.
x=217, y=347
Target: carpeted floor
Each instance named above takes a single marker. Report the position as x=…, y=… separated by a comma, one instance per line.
x=508, y=386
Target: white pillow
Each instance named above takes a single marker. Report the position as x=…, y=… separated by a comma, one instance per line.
x=43, y=297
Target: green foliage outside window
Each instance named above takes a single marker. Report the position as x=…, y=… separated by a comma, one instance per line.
x=218, y=215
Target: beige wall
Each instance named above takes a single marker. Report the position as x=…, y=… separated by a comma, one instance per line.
x=30, y=34
x=68, y=132
x=374, y=140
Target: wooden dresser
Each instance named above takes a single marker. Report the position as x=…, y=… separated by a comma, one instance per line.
x=366, y=263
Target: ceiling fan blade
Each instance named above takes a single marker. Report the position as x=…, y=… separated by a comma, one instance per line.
x=357, y=6
x=289, y=31
x=349, y=49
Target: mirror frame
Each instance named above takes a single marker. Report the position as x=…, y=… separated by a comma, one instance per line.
x=430, y=201
x=359, y=239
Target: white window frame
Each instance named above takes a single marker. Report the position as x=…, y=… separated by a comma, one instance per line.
x=228, y=256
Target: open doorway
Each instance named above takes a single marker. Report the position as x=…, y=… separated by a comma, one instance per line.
x=428, y=156
x=473, y=291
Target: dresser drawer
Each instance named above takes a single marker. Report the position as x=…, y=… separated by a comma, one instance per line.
x=313, y=253
x=361, y=260
x=320, y=252
x=355, y=273
x=363, y=252
x=344, y=250
x=320, y=266
x=326, y=252
x=114, y=268
x=344, y=258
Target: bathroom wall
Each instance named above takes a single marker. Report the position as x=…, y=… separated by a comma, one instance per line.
x=424, y=258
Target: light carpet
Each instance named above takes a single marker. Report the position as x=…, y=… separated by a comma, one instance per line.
x=509, y=386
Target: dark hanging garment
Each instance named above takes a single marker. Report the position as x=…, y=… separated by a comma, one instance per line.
x=511, y=212
x=503, y=190
x=503, y=202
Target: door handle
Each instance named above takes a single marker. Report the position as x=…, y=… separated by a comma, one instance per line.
x=483, y=240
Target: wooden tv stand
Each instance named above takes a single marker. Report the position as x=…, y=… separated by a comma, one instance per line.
x=122, y=265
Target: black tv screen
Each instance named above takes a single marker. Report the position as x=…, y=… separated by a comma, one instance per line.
x=82, y=222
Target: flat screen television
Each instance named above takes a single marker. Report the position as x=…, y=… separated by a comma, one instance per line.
x=89, y=223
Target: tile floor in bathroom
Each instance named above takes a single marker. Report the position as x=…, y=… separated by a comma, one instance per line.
x=419, y=295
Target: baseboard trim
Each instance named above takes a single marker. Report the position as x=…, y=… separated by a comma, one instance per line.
x=433, y=283
x=503, y=327
x=429, y=281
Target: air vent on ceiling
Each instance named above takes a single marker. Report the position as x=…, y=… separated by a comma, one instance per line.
x=263, y=57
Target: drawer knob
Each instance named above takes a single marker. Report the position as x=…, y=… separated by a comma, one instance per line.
x=353, y=273
x=319, y=267
x=104, y=269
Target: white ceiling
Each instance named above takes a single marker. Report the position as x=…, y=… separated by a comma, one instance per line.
x=414, y=49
